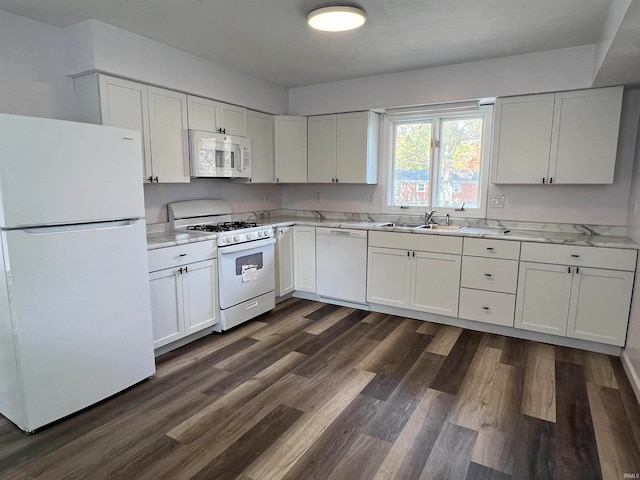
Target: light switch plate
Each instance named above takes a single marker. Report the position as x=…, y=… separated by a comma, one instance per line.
x=497, y=201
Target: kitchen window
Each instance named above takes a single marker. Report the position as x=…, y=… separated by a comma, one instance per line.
x=439, y=160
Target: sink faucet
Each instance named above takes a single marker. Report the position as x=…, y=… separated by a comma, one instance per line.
x=428, y=218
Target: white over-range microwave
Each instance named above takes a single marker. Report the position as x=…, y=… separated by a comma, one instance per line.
x=219, y=155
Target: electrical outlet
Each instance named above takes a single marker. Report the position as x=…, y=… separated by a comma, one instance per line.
x=497, y=201
x=368, y=198
x=318, y=196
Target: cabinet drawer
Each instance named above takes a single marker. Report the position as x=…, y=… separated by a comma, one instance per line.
x=490, y=274
x=416, y=241
x=480, y=247
x=598, y=257
x=488, y=307
x=168, y=257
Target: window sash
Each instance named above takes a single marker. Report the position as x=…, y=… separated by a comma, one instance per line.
x=484, y=112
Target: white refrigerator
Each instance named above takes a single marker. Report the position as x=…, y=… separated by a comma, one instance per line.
x=75, y=312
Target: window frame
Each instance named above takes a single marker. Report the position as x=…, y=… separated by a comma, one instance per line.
x=389, y=123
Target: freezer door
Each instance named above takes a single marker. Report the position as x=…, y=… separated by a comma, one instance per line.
x=81, y=312
x=56, y=172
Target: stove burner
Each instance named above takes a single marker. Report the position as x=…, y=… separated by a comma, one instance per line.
x=223, y=226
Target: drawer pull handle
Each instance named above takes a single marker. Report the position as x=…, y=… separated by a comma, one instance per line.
x=490, y=249
x=182, y=255
x=485, y=308
x=488, y=275
x=575, y=256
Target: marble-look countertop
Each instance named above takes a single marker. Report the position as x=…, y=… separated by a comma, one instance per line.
x=561, y=235
x=541, y=236
x=171, y=239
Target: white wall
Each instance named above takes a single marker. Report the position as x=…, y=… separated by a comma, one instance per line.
x=632, y=349
x=565, y=69
x=32, y=69
x=126, y=54
x=244, y=198
x=524, y=74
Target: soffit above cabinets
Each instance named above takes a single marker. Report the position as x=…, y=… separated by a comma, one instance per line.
x=272, y=40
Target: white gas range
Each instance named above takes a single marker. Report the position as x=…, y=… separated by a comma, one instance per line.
x=246, y=270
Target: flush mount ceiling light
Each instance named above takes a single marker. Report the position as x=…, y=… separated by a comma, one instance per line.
x=336, y=19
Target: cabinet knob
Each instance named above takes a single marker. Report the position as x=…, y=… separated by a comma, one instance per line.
x=180, y=270
x=543, y=179
x=337, y=180
x=186, y=269
x=150, y=179
x=277, y=180
x=156, y=179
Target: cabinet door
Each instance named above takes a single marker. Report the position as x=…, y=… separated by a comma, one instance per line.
x=304, y=252
x=202, y=114
x=436, y=283
x=167, y=313
x=542, y=301
x=599, y=308
x=260, y=132
x=522, y=139
x=290, y=149
x=125, y=104
x=322, y=148
x=168, y=132
x=389, y=277
x=356, y=148
x=585, y=135
x=232, y=119
x=284, y=261
x=199, y=289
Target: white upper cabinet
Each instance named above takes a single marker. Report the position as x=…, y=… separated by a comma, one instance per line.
x=357, y=145
x=322, y=153
x=585, y=142
x=212, y=116
x=260, y=132
x=168, y=135
x=290, y=149
x=122, y=103
x=566, y=137
x=343, y=148
x=522, y=139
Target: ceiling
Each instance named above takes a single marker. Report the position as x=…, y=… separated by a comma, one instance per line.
x=270, y=39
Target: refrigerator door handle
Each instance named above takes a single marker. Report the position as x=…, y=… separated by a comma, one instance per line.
x=78, y=228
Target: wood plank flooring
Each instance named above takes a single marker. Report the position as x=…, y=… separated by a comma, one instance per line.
x=316, y=391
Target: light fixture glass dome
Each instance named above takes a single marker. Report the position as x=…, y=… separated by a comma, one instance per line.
x=336, y=19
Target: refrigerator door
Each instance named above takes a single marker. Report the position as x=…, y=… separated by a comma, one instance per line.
x=81, y=312
x=54, y=172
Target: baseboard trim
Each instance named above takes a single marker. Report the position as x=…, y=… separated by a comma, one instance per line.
x=632, y=374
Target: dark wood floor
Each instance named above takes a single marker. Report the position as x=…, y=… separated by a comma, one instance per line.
x=315, y=391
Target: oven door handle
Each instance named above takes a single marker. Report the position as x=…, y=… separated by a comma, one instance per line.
x=247, y=246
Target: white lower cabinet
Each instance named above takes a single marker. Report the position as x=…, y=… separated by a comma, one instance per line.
x=544, y=292
x=488, y=307
x=284, y=260
x=304, y=258
x=587, y=297
x=414, y=279
x=389, y=277
x=436, y=283
x=183, y=295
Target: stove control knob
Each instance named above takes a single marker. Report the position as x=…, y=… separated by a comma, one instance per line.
x=250, y=235
x=260, y=233
x=227, y=239
x=236, y=238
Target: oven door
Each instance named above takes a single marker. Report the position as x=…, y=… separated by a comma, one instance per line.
x=245, y=271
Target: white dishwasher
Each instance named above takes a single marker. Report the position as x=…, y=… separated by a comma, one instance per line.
x=341, y=264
